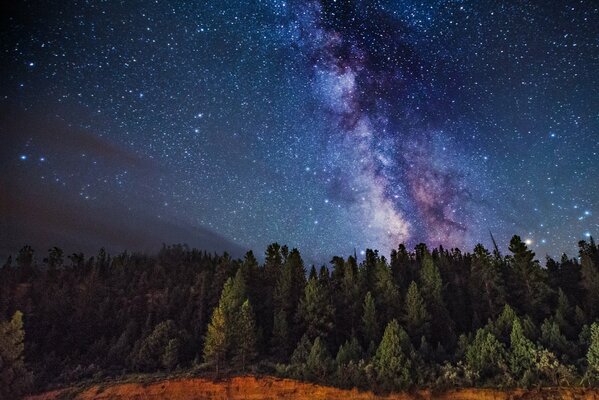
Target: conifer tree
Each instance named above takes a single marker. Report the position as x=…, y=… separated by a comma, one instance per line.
x=486, y=355
x=416, y=317
x=592, y=373
x=529, y=280
x=318, y=363
x=386, y=293
x=391, y=365
x=280, y=336
x=552, y=338
x=486, y=284
x=370, y=324
x=442, y=327
x=349, y=373
x=15, y=379
x=348, y=352
x=522, y=355
x=590, y=283
x=316, y=311
x=151, y=353
x=287, y=295
x=245, y=344
x=216, y=342
x=170, y=357
x=347, y=309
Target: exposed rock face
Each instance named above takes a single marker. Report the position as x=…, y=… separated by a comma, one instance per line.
x=268, y=388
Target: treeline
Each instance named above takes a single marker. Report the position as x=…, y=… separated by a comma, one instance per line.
x=421, y=318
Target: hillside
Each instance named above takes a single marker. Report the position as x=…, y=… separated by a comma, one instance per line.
x=249, y=387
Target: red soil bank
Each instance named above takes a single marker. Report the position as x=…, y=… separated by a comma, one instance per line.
x=268, y=388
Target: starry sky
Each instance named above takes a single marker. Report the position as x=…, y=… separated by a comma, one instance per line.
x=327, y=125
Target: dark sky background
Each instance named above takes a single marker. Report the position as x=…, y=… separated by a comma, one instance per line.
x=327, y=125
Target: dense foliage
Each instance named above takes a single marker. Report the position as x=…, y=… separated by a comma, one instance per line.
x=439, y=318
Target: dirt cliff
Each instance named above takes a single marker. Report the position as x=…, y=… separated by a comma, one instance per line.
x=267, y=388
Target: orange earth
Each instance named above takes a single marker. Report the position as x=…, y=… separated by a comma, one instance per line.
x=269, y=388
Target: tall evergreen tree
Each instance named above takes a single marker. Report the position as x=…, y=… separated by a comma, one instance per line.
x=287, y=295
x=590, y=283
x=244, y=350
x=319, y=362
x=386, y=293
x=529, y=280
x=216, y=343
x=416, y=317
x=224, y=323
x=347, y=310
x=442, y=329
x=316, y=311
x=15, y=379
x=522, y=355
x=280, y=336
x=486, y=284
x=370, y=324
x=486, y=355
x=392, y=367
x=592, y=373
x=151, y=354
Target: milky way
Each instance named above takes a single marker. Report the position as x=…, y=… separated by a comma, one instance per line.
x=331, y=126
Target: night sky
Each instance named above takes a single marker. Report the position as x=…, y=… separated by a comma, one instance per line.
x=329, y=126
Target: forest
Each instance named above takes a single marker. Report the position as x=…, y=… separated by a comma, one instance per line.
x=424, y=318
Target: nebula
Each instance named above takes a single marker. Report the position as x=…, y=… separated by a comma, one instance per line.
x=380, y=152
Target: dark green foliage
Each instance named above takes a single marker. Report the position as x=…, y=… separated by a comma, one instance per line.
x=315, y=311
x=416, y=317
x=466, y=319
x=592, y=375
x=486, y=355
x=528, y=280
x=15, y=379
x=280, y=336
x=486, y=285
x=244, y=350
x=217, y=341
x=152, y=350
x=348, y=352
x=370, y=324
x=522, y=355
x=391, y=364
x=319, y=363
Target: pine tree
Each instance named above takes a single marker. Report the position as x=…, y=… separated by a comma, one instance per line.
x=522, y=355
x=348, y=372
x=170, y=358
x=151, y=351
x=486, y=355
x=370, y=324
x=287, y=295
x=216, y=342
x=245, y=344
x=442, y=326
x=592, y=373
x=348, y=352
x=318, y=363
x=347, y=309
x=316, y=311
x=391, y=365
x=280, y=336
x=416, y=317
x=529, y=280
x=386, y=293
x=552, y=338
x=15, y=380
x=486, y=284
x=590, y=283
